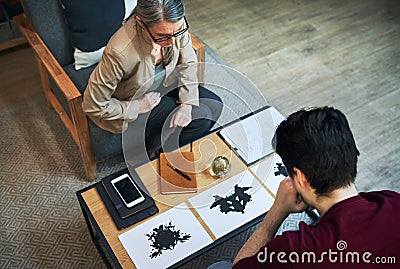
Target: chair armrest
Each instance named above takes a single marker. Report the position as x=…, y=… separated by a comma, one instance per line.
x=66, y=86
x=76, y=124
x=200, y=50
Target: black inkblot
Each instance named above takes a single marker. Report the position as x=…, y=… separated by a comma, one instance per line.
x=165, y=237
x=281, y=170
x=235, y=202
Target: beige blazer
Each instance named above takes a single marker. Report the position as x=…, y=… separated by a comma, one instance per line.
x=126, y=71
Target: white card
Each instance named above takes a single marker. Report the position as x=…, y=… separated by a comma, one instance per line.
x=251, y=137
x=165, y=239
x=232, y=203
x=271, y=172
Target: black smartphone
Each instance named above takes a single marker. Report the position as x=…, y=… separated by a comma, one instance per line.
x=127, y=190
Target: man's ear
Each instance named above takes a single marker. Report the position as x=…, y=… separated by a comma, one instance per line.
x=299, y=177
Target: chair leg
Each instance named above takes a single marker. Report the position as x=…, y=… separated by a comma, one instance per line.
x=83, y=137
x=45, y=80
x=90, y=169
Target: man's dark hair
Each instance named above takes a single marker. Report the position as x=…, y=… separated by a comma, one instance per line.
x=320, y=143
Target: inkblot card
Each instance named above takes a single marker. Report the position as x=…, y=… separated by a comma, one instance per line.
x=232, y=202
x=165, y=239
x=271, y=172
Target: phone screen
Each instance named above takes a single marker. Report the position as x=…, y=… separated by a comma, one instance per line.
x=127, y=190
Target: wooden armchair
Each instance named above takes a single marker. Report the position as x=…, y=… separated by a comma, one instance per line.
x=43, y=25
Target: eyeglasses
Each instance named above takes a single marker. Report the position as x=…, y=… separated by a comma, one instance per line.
x=167, y=37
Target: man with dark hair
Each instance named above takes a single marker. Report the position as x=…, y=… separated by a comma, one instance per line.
x=355, y=230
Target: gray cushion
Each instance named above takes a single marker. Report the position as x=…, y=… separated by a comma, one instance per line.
x=105, y=144
x=79, y=77
x=47, y=19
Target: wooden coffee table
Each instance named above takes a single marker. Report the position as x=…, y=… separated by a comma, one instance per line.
x=104, y=232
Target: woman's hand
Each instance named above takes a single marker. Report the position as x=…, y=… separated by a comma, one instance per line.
x=148, y=102
x=182, y=117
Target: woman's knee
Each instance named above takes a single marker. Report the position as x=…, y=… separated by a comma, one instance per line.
x=213, y=101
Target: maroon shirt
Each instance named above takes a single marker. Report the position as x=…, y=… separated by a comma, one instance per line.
x=359, y=232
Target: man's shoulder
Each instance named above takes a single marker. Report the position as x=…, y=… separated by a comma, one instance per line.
x=383, y=193
x=384, y=199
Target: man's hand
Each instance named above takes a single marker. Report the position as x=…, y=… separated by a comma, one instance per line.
x=148, y=102
x=287, y=199
x=182, y=117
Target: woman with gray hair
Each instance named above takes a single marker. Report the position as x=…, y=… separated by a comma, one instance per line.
x=146, y=82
